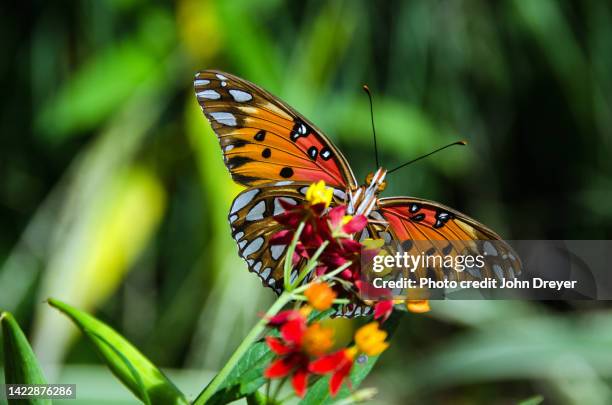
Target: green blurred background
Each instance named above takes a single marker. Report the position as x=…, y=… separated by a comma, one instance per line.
x=114, y=197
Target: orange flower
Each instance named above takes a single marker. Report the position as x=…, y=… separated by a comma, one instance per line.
x=418, y=306
x=317, y=340
x=320, y=296
x=371, y=340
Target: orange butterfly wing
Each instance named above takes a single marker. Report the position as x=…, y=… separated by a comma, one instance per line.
x=422, y=225
x=265, y=140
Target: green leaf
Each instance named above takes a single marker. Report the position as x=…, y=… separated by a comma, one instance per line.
x=535, y=400
x=130, y=366
x=20, y=364
x=318, y=393
x=246, y=377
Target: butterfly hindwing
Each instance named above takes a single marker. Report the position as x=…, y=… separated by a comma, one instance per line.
x=424, y=227
x=263, y=139
x=252, y=220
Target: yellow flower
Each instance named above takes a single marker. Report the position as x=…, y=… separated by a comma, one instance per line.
x=318, y=193
x=346, y=219
x=371, y=340
x=418, y=306
x=317, y=340
x=320, y=296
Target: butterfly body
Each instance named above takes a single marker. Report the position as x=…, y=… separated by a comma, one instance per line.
x=364, y=199
x=277, y=153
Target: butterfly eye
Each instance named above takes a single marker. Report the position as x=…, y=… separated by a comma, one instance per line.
x=382, y=186
x=369, y=178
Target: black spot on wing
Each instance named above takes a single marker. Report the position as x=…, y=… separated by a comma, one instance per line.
x=237, y=161
x=325, y=153
x=313, y=152
x=407, y=245
x=240, y=178
x=418, y=217
x=260, y=136
x=239, y=143
x=286, y=172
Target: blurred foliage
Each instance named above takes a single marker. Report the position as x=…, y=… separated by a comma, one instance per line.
x=114, y=197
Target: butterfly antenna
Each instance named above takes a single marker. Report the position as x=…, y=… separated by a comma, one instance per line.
x=367, y=90
x=462, y=143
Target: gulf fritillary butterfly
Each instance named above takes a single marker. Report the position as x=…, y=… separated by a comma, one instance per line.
x=276, y=153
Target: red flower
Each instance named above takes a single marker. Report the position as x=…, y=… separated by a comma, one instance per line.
x=283, y=317
x=339, y=364
x=383, y=310
x=297, y=343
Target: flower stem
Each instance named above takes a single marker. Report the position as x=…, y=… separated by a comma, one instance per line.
x=324, y=277
x=278, y=389
x=250, y=338
x=312, y=263
x=289, y=257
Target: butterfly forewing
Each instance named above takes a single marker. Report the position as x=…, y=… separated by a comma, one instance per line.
x=426, y=227
x=263, y=139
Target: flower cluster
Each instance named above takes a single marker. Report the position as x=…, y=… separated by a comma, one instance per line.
x=303, y=348
x=330, y=228
x=325, y=249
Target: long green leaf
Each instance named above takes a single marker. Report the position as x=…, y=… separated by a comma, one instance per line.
x=20, y=364
x=535, y=400
x=130, y=366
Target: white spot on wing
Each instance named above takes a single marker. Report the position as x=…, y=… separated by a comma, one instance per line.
x=240, y=96
x=257, y=266
x=208, y=94
x=279, y=208
x=233, y=218
x=224, y=118
x=266, y=273
x=239, y=235
x=511, y=273
x=257, y=211
x=386, y=236
x=228, y=148
x=376, y=215
x=283, y=183
x=339, y=193
x=498, y=271
x=489, y=249
x=223, y=84
x=253, y=247
x=277, y=251
x=243, y=199
x=201, y=82
x=220, y=76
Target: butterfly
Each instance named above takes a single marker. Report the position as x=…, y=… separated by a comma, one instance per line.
x=276, y=153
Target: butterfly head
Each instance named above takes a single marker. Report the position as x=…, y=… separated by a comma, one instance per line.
x=376, y=180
